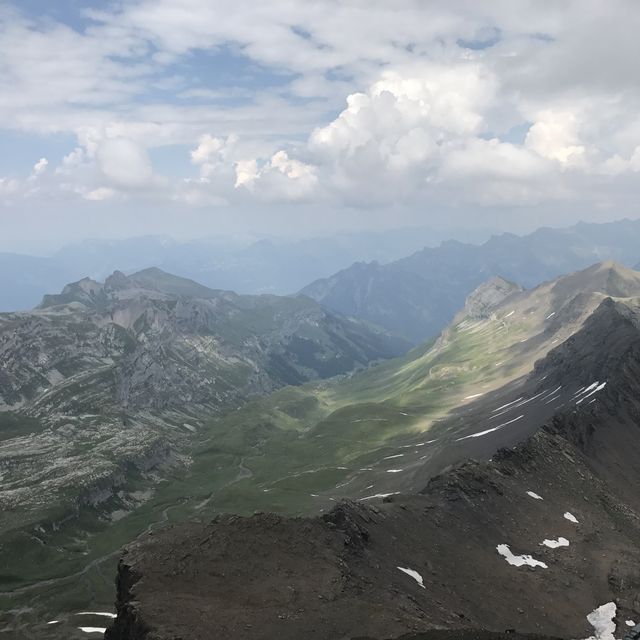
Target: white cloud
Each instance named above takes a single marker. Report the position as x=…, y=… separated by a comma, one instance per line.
x=101, y=193
x=281, y=178
x=246, y=173
x=555, y=135
x=124, y=163
x=40, y=167
x=340, y=103
x=8, y=186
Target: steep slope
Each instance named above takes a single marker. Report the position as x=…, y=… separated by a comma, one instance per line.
x=417, y=296
x=381, y=430
x=104, y=387
x=535, y=539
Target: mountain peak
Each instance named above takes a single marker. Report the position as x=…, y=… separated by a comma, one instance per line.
x=117, y=280
x=608, y=278
x=488, y=295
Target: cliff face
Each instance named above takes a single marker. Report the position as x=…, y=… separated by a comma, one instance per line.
x=533, y=540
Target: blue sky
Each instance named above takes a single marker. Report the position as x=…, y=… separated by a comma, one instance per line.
x=291, y=117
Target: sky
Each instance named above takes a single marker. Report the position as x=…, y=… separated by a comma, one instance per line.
x=298, y=117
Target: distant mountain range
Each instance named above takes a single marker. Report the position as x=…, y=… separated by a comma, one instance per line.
x=418, y=295
x=262, y=266
x=485, y=482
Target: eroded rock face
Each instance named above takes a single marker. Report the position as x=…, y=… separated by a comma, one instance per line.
x=110, y=380
x=468, y=552
x=480, y=303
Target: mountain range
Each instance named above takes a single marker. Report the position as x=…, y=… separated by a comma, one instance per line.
x=244, y=265
x=149, y=399
x=418, y=295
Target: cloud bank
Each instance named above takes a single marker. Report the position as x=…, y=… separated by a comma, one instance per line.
x=347, y=105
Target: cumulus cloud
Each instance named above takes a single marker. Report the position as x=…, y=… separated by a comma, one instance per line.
x=555, y=135
x=280, y=178
x=40, y=167
x=347, y=104
x=124, y=163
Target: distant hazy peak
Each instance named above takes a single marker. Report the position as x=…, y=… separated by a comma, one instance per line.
x=87, y=285
x=84, y=291
x=609, y=278
x=156, y=279
x=89, y=292
x=488, y=295
x=117, y=280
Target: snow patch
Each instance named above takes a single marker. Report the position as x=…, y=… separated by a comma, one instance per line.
x=630, y=623
x=518, y=561
x=601, y=619
x=599, y=387
x=414, y=574
x=484, y=433
x=534, y=495
x=394, y=470
x=555, y=544
x=380, y=495
x=106, y=614
x=475, y=395
x=504, y=406
x=397, y=455
x=93, y=629
x=550, y=315
x=510, y=314
x=571, y=518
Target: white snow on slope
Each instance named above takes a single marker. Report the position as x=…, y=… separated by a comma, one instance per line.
x=380, y=495
x=97, y=613
x=394, y=470
x=554, y=544
x=516, y=404
x=504, y=406
x=475, y=395
x=414, y=574
x=571, y=518
x=484, y=433
x=630, y=623
x=600, y=387
x=518, y=561
x=583, y=390
x=601, y=619
x=397, y=455
x=93, y=629
x=550, y=315
x=534, y=495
